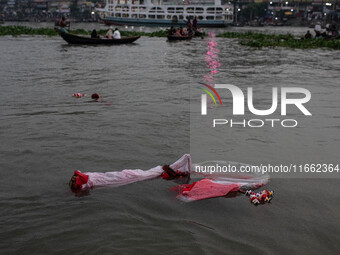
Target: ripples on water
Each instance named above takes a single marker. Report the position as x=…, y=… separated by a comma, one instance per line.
x=144, y=121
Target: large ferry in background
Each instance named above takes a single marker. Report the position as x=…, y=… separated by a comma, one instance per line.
x=209, y=13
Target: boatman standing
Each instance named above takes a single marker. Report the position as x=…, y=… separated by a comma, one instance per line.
x=64, y=24
x=116, y=34
x=194, y=23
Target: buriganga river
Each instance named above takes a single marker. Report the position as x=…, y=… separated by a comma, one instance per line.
x=144, y=121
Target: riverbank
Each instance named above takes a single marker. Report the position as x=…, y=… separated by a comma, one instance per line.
x=247, y=38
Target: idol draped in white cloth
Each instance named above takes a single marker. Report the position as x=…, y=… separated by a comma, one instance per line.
x=210, y=185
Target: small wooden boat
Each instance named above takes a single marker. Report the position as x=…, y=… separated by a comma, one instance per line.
x=179, y=38
x=75, y=39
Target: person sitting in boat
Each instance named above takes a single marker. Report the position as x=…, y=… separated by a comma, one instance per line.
x=194, y=23
x=182, y=31
x=308, y=35
x=198, y=32
x=318, y=30
x=189, y=24
x=172, y=31
x=109, y=33
x=116, y=34
x=94, y=34
x=185, y=32
x=189, y=31
x=63, y=24
x=328, y=30
x=334, y=30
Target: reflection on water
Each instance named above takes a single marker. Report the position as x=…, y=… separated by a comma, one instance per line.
x=213, y=64
x=211, y=57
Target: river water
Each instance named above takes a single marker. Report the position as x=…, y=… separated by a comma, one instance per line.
x=144, y=121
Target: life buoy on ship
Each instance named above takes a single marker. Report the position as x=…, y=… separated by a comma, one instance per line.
x=174, y=19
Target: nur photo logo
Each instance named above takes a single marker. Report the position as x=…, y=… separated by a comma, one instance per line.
x=204, y=97
x=294, y=96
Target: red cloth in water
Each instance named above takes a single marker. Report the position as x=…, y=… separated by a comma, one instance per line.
x=81, y=179
x=204, y=189
x=169, y=173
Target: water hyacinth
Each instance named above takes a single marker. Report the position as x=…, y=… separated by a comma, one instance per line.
x=23, y=30
x=250, y=39
x=260, y=40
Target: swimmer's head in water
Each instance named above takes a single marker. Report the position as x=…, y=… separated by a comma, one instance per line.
x=95, y=96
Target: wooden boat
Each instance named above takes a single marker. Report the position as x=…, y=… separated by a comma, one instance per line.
x=179, y=38
x=75, y=39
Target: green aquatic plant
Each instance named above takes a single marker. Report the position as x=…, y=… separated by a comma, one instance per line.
x=293, y=43
x=250, y=39
x=23, y=30
x=259, y=40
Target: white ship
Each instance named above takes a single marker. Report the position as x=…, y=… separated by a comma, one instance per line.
x=209, y=13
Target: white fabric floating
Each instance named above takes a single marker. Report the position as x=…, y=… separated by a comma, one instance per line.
x=213, y=185
x=128, y=176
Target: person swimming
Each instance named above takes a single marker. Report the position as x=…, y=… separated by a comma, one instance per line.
x=95, y=96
